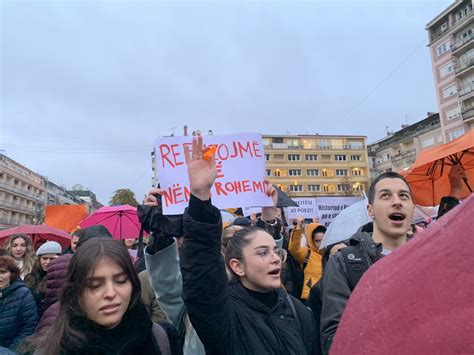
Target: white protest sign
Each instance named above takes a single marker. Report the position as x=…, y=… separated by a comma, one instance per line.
x=240, y=171
x=307, y=208
x=329, y=207
x=247, y=211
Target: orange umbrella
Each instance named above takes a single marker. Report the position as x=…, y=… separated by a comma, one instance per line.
x=428, y=176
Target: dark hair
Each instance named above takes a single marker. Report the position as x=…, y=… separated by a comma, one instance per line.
x=237, y=243
x=78, y=233
x=319, y=229
x=82, y=263
x=386, y=175
x=7, y=262
x=36, y=280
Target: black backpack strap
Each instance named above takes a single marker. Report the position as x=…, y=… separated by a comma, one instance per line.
x=355, y=263
x=306, y=260
x=297, y=318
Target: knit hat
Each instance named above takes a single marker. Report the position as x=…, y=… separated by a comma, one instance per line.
x=49, y=248
x=97, y=231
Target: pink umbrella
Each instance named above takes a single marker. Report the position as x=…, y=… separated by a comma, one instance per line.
x=419, y=299
x=38, y=233
x=121, y=221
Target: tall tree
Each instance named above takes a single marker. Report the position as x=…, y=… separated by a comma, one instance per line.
x=123, y=197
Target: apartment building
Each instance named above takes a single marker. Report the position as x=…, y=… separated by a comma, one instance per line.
x=452, y=53
x=317, y=165
x=398, y=151
x=22, y=194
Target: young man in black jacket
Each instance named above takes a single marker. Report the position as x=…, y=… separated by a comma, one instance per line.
x=391, y=208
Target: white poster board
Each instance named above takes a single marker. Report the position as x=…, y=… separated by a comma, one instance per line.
x=328, y=207
x=240, y=171
x=306, y=209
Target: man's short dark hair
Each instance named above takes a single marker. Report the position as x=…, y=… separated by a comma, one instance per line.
x=386, y=175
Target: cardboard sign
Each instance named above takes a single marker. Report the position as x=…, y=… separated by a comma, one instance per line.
x=247, y=211
x=240, y=171
x=329, y=207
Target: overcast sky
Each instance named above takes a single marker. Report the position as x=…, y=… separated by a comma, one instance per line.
x=86, y=86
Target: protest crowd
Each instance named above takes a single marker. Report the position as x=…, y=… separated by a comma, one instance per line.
x=257, y=285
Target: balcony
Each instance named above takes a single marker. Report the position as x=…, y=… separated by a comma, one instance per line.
x=463, y=45
x=467, y=113
x=462, y=20
x=462, y=68
x=22, y=192
x=17, y=207
x=403, y=155
x=466, y=91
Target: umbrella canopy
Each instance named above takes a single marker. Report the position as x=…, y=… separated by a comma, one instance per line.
x=346, y=223
x=422, y=294
x=38, y=233
x=121, y=221
x=284, y=200
x=428, y=177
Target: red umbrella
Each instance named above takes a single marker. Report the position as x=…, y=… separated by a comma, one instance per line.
x=419, y=299
x=121, y=221
x=38, y=233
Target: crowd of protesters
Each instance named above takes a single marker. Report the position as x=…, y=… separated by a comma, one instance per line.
x=253, y=287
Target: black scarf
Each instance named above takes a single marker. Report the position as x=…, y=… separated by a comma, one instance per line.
x=132, y=336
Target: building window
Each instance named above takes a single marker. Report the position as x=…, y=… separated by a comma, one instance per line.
x=268, y=172
x=357, y=172
x=354, y=145
x=358, y=187
x=280, y=173
x=329, y=188
x=449, y=91
x=294, y=172
x=386, y=157
x=277, y=140
x=324, y=144
x=341, y=172
x=453, y=113
x=312, y=172
x=340, y=157
x=343, y=187
x=311, y=157
x=267, y=157
x=327, y=172
x=443, y=48
x=314, y=188
x=446, y=69
x=296, y=188
x=293, y=157
x=278, y=157
x=456, y=134
x=355, y=157
x=427, y=142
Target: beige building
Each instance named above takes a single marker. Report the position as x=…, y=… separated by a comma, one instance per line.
x=452, y=53
x=317, y=165
x=399, y=150
x=22, y=194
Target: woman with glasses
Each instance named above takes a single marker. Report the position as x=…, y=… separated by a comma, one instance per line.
x=252, y=314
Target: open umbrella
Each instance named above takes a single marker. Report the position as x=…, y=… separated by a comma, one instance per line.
x=428, y=176
x=121, y=221
x=284, y=200
x=38, y=233
x=419, y=298
x=346, y=223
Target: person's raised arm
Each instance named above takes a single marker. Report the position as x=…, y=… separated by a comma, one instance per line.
x=268, y=220
x=202, y=265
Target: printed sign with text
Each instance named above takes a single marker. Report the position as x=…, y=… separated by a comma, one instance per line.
x=240, y=171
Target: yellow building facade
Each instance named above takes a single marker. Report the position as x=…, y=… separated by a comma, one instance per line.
x=317, y=165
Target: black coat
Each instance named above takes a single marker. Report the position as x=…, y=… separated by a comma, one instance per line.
x=226, y=317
